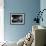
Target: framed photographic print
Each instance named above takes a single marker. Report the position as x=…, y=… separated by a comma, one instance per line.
x=17, y=18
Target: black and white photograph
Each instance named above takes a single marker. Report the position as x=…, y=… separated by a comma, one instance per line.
x=17, y=18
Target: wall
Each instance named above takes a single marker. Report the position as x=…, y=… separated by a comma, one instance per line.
x=43, y=6
x=1, y=21
x=29, y=8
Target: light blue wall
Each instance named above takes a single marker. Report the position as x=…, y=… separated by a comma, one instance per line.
x=43, y=6
x=29, y=8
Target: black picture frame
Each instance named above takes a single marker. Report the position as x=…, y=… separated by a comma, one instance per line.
x=17, y=18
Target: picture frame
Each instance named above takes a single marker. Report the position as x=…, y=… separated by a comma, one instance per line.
x=17, y=18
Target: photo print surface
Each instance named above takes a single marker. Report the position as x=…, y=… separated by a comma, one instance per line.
x=17, y=18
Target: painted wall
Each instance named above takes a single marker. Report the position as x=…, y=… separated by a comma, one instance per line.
x=29, y=8
x=1, y=21
x=43, y=6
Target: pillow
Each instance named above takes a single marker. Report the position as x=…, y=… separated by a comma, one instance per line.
x=28, y=39
x=21, y=42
